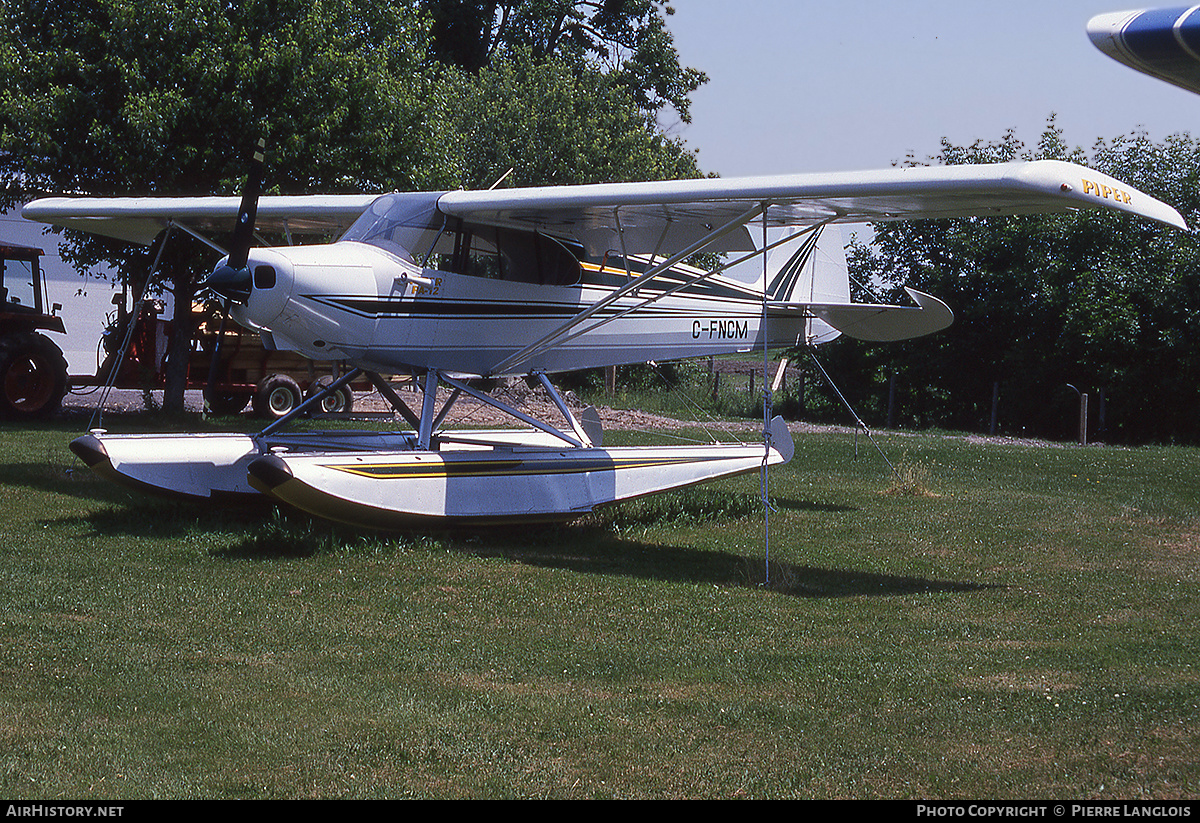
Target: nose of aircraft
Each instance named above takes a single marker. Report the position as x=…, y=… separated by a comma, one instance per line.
x=230, y=282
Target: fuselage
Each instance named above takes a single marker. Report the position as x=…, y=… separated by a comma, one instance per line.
x=381, y=311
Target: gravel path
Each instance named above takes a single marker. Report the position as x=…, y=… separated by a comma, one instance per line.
x=468, y=411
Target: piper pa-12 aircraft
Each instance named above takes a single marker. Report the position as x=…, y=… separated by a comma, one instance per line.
x=450, y=286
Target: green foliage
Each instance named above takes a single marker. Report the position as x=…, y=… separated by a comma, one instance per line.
x=1104, y=302
x=134, y=97
x=550, y=124
x=627, y=40
x=687, y=375
x=122, y=97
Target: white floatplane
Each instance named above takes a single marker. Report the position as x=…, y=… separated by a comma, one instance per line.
x=451, y=286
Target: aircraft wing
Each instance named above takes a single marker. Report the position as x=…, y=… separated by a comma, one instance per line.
x=141, y=219
x=1164, y=43
x=653, y=217
x=661, y=217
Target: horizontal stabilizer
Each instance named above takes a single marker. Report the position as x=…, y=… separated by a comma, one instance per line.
x=875, y=322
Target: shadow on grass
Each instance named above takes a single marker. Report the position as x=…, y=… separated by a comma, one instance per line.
x=599, y=545
x=246, y=523
x=592, y=550
x=809, y=506
x=56, y=476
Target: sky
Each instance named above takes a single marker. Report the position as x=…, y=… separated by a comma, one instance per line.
x=844, y=85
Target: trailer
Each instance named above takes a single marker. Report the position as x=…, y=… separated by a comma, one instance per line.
x=237, y=373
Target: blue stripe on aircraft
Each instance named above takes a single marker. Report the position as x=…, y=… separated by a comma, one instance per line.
x=1151, y=38
x=1189, y=32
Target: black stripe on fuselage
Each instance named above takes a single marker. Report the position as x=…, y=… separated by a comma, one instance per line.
x=369, y=307
x=514, y=467
x=406, y=306
x=378, y=307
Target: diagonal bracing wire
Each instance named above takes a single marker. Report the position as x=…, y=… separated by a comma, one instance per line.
x=854, y=414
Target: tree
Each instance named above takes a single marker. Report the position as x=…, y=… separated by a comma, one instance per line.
x=546, y=123
x=626, y=39
x=119, y=97
x=124, y=97
x=1099, y=300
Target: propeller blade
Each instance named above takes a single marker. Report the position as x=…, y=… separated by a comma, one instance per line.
x=243, y=232
x=231, y=279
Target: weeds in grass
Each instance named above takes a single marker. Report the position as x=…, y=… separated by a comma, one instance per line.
x=911, y=479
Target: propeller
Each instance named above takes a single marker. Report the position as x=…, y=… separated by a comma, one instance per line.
x=232, y=279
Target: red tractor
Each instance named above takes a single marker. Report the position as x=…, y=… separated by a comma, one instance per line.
x=33, y=371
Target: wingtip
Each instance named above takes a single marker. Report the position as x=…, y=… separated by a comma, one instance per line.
x=1092, y=189
x=935, y=314
x=1103, y=28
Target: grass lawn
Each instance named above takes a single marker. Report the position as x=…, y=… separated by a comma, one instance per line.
x=1016, y=622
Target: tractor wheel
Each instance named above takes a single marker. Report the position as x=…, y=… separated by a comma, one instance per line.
x=340, y=402
x=277, y=395
x=33, y=376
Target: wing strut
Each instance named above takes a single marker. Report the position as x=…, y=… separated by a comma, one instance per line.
x=767, y=408
x=206, y=241
x=111, y=380
x=691, y=281
x=565, y=337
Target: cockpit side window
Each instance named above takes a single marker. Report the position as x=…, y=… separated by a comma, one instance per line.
x=506, y=254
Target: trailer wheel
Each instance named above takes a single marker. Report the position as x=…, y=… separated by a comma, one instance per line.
x=277, y=395
x=224, y=404
x=340, y=402
x=33, y=376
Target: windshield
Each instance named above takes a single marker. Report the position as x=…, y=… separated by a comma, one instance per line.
x=406, y=224
x=17, y=285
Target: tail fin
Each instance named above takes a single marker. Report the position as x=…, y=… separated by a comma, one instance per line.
x=811, y=268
